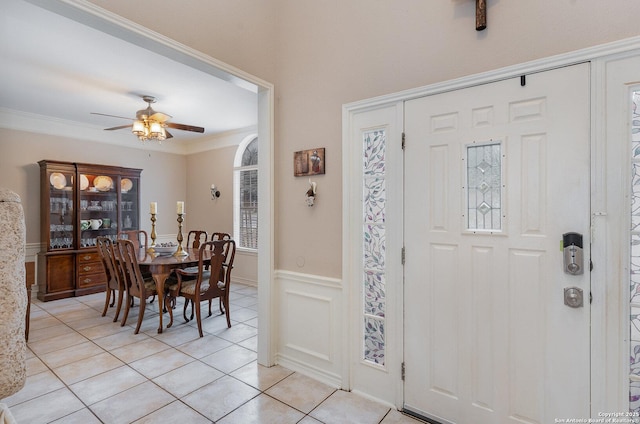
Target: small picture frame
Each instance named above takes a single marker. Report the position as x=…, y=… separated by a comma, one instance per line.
x=308, y=162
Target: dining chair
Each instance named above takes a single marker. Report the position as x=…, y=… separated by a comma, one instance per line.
x=113, y=279
x=196, y=237
x=227, y=266
x=192, y=272
x=135, y=285
x=206, y=286
x=140, y=240
x=138, y=237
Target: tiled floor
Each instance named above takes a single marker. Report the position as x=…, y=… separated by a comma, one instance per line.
x=83, y=368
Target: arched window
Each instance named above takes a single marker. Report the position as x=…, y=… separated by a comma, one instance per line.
x=245, y=210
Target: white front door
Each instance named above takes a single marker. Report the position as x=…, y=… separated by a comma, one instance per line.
x=494, y=176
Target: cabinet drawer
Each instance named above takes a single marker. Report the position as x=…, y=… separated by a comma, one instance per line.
x=88, y=256
x=89, y=280
x=90, y=268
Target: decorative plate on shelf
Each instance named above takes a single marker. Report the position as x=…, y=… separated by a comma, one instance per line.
x=103, y=183
x=84, y=182
x=126, y=185
x=58, y=180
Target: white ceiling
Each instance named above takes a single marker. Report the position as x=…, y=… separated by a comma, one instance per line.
x=57, y=69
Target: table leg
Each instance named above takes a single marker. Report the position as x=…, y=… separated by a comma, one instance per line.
x=160, y=279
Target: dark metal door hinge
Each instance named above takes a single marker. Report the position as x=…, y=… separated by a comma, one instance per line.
x=403, y=255
x=402, y=370
x=403, y=140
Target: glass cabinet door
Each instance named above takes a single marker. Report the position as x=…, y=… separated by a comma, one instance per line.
x=61, y=213
x=98, y=200
x=129, y=195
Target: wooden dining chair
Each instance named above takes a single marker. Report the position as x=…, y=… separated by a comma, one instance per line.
x=135, y=284
x=196, y=237
x=207, y=284
x=138, y=237
x=114, y=281
x=227, y=266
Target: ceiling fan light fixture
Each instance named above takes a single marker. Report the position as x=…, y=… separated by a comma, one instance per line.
x=150, y=125
x=138, y=128
x=156, y=129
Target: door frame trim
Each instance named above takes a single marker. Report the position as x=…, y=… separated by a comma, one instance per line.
x=609, y=346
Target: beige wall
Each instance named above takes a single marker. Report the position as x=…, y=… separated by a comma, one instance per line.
x=322, y=54
x=163, y=178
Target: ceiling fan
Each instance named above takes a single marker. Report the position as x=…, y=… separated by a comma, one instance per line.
x=151, y=125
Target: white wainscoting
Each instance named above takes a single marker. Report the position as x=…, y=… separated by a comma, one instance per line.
x=310, y=326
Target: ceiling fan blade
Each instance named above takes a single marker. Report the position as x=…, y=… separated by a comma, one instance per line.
x=160, y=117
x=113, y=116
x=117, y=128
x=184, y=127
x=169, y=135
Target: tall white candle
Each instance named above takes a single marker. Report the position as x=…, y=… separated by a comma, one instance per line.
x=154, y=207
x=180, y=208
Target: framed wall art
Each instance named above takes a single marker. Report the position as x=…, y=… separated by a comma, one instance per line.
x=308, y=162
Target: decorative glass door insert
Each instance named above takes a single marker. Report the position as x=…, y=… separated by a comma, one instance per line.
x=374, y=246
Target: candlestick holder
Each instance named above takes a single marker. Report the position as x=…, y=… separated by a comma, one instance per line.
x=153, y=234
x=180, y=252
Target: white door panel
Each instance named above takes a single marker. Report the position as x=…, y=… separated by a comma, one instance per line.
x=488, y=338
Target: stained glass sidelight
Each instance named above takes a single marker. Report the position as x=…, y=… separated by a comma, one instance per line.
x=484, y=187
x=374, y=244
x=634, y=269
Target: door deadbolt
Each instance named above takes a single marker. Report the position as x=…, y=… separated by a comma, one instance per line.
x=572, y=251
x=573, y=297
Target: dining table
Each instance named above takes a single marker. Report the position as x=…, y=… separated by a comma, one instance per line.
x=160, y=267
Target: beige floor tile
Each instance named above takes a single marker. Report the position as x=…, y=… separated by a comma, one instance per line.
x=107, y=384
x=261, y=377
x=35, y=366
x=203, y=346
x=135, y=351
x=35, y=385
x=71, y=354
x=347, y=408
x=237, y=332
x=301, y=392
x=176, y=412
x=103, y=330
x=252, y=322
x=161, y=363
x=61, y=342
x=120, y=339
x=188, y=378
x=247, y=291
x=132, y=404
x=83, y=416
x=48, y=333
x=244, y=301
x=86, y=368
x=251, y=343
x=309, y=420
x=263, y=410
x=177, y=334
x=396, y=417
x=217, y=399
x=243, y=314
x=90, y=321
x=230, y=359
x=47, y=408
x=82, y=314
x=44, y=320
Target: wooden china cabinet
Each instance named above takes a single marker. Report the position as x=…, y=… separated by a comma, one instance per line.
x=78, y=203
